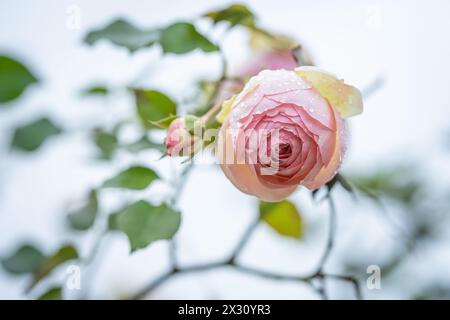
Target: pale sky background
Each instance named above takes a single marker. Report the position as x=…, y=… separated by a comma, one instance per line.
x=403, y=42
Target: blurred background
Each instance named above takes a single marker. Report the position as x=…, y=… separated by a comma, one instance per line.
x=397, y=159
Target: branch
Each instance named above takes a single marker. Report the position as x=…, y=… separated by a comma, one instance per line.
x=326, y=254
x=216, y=105
x=174, y=201
x=353, y=280
x=88, y=262
x=318, y=274
x=373, y=87
x=331, y=235
x=243, y=241
x=321, y=290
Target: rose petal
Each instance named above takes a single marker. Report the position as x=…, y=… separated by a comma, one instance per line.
x=241, y=175
x=225, y=110
x=328, y=172
x=345, y=98
x=282, y=111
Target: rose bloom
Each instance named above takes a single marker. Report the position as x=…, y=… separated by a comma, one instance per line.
x=271, y=59
x=285, y=129
x=273, y=53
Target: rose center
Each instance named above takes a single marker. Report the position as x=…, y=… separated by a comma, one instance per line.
x=285, y=150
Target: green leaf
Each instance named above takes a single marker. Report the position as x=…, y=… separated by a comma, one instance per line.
x=31, y=136
x=14, y=79
x=65, y=253
x=345, y=183
x=283, y=217
x=106, y=142
x=124, y=34
x=95, y=91
x=84, y=217
x=144, y=223
x=113, y=221
x=182, y=37
x=234, y=14
x=144, y=143
x=26, y=259
x=399, y=183
x=136, y=178
x=178, y=38
x=191, y=122
x=165, y=122
x=153, y=105
x=54, y=293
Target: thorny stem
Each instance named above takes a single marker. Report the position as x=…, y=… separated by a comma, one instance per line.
x=231, y=262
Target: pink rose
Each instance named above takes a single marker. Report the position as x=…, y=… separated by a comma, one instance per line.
x=271, y=59
x=179, y=141
x=285, y=129
x=272, y=53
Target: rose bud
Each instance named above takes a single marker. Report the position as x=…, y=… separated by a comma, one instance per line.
x=272, y=53
x=180, y=140
x=272, y=60
x=285, y=129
